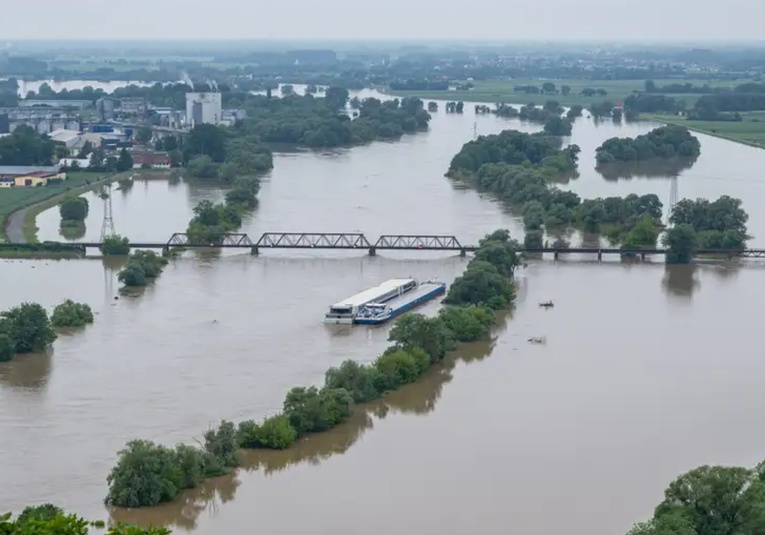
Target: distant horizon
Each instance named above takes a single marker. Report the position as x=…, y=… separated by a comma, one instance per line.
x=601, y=21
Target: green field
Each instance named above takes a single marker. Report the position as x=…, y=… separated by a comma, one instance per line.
x=749, y=131
x=13, y=199
x=503, y=91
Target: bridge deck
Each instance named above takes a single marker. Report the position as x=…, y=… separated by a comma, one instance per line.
x=358, y=241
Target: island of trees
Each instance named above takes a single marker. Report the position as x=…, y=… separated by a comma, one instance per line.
x=147, y=473
x=25, y=329
x=519, y=168
x=69, y=314
x=142, y=267
x=321, y=122
x=664, y=142
x=701, y=224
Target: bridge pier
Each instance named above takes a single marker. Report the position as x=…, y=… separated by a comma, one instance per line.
x=555, y=254
x=373, y=251
x=463, y=253
x=600, y=255
x=254, y=250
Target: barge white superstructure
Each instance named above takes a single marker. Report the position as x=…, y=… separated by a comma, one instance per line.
x=345, y=311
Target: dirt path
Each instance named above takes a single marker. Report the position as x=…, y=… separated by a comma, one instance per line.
x=14, y=224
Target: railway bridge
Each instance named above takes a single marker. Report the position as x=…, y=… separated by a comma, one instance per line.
x=354, y=241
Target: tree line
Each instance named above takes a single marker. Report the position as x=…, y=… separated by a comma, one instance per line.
x=147, y=473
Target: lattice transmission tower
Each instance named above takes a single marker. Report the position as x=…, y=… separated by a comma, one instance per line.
x=107, y=225
x=673, y=196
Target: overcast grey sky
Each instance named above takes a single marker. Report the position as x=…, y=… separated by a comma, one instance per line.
x=647, y=20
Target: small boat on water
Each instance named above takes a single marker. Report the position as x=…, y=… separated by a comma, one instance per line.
x=547, y=304
x=376, y=313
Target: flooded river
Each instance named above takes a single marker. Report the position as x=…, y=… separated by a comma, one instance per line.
x=647, y=371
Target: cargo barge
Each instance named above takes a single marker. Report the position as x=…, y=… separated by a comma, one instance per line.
x=377, y=312
x=345, y=311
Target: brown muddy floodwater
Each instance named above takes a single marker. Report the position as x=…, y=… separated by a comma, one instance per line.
x=646, y=371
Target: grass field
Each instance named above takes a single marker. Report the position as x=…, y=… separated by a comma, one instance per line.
x=502, y=91
x=750, y=131
x=13, y=199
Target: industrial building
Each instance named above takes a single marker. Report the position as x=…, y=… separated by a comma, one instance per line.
x=43, y=120
x=28, y=176
x=136, y=106
x=68, y=138
x=203, y=108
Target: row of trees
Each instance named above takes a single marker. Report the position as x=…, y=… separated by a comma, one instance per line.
x=27, y=328
x=549, y=88
x=664, y=142
x=147, y=474
x=47, y=519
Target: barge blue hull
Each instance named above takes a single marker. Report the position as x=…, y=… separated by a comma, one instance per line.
x=404, y=307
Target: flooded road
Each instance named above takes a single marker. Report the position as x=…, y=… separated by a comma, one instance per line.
x=647, y=372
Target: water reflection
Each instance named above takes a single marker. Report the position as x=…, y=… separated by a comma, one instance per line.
x=419, y=398
x=680, y=281
x=73, y=232
x=29, y=372
x=656, y=168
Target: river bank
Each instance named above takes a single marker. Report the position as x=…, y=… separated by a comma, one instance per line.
x=747, y=132
x=23, y=205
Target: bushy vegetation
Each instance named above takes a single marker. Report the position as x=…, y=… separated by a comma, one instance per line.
x=24, y=329
x=71, y=314
x=48, y=519
x=148, y=474
x=26, y=147
x=115, y=246
x=558, y=126
x=224, y=154
x=487, y=281
x=701, y=224
x=664, y=142
x=320, y=122
x=142, y=267
x=73, y=211
x=710, y=500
